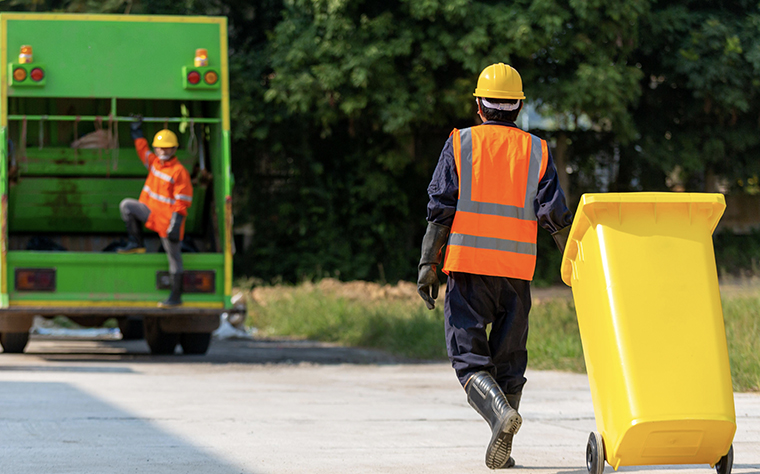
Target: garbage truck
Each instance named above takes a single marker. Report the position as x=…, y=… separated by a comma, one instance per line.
x=70, y=87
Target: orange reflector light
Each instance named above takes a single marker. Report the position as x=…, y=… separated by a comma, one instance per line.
x=193, y=281
x=35, y=279
x=193, y=77
x=25, y=57
x=19, y=74
x=201, y=57
x=210, y=77
x=37, y=74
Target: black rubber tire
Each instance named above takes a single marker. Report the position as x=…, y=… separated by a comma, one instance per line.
x=14, y=342
x=726, y=462
x=595, y=454
x=131, y=328
x=195, y=342
x=159, y=342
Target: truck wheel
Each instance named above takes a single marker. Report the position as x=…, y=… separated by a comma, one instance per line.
x=160, y=342
x=14, y=342
x=195, y=342
x=131, y=328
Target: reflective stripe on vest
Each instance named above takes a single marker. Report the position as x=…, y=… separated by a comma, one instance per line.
x=483, y=231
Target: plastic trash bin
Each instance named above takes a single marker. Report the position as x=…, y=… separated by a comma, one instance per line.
x=642, y=270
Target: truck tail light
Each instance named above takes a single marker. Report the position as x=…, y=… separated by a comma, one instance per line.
x=210, y=77
x=193, y=281
x=19, y=74
x=193, y=77
x=37, y=74
x=35, y=279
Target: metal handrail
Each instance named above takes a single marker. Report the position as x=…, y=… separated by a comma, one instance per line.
x=92, y=118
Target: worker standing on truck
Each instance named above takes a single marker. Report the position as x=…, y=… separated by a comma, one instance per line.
x=493, y=185
x=163, y=204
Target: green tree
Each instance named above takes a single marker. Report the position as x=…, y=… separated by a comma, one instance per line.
x=701, y=64
x=371, y=92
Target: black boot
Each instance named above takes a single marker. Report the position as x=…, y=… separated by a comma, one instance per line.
x=485, y=396
x=514, y=402
x=175, y=297
x=135, y=243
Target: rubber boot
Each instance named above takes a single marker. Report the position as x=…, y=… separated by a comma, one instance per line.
x=135, y=243
x=175, y=297
x=514, y=402
x=485, y=396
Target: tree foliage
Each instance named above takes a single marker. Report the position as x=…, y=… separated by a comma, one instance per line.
x=702, y=81
x=377, y=88
x=340, y=109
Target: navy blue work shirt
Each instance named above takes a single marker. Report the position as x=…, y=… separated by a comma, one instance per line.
x=550, y=206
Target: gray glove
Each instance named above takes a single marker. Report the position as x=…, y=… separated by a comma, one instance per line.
x=135, y=128
x=427, y=278
x=174, y=226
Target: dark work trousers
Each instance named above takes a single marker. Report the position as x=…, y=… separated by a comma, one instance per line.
x=132, y=207
x=474, y=301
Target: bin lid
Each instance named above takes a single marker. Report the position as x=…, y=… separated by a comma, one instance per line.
x=585, y=215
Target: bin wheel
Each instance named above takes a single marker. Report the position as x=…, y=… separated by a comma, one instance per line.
x=726, y=462
x=595, y=454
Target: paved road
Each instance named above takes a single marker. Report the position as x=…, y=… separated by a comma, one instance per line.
x=76, y=406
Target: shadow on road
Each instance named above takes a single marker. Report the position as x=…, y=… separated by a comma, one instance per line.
x=59, y=428
x=230, y=351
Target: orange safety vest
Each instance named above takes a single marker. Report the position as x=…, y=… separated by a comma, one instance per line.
x=167, y=189
x=495, y=228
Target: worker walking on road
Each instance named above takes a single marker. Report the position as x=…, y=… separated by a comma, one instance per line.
x=163, y=204
x=493, y=185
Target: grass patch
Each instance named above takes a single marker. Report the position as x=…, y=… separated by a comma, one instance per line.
x=394, y=319
x=742, y=316
x=393, y=324
x=554, y=341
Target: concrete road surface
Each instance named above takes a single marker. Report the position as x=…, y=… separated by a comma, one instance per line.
x=77, y=406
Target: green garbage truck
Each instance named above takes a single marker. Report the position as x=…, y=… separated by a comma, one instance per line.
x=70, y=87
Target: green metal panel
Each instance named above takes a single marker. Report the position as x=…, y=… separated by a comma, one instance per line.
x=114, y=58
x=88, y=162
x=79, y=204
x=94, y=276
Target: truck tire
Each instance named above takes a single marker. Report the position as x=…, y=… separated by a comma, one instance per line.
x=195, y=342
x=131, y=328
x=159, y=342
x=14, y=342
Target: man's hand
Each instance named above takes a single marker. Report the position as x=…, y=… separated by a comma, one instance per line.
x=174, y=226
x=427, y=280
x=428, y=284
x=135, y=127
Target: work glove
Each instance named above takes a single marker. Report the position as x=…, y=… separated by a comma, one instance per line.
x=135, y=128
x=560, y=238
x=427, y=278
x=174, y=226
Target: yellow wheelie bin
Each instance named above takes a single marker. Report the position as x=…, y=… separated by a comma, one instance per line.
x=642, y=270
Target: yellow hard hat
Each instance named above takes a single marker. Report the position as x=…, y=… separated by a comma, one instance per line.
x=500, y=81
x=165, y=139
